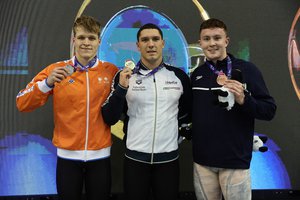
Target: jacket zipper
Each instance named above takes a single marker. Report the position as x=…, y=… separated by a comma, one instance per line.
x=155, y=115
x=87, y=115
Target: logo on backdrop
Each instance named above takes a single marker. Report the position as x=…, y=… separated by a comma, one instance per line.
x=294, y=53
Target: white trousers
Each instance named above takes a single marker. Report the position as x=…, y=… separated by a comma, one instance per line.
x=210, y=183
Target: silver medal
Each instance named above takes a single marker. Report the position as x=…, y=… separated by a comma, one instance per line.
x=70, y=69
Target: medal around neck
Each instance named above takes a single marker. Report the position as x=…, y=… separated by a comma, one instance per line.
x=130, y=64
x=221, y=79
x=70, y=69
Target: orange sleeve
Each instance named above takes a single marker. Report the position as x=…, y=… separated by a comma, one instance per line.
x=32, y=96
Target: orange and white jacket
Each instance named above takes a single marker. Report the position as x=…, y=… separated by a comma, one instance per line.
x=79, y=129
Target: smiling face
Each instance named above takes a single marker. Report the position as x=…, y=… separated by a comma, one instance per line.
x=213, y=42
x=150, y=44
x=86, y=45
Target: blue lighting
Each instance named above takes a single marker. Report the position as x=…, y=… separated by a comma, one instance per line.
x=118, y=38
x=15, y=55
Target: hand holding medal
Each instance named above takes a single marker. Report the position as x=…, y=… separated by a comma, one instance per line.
x=125, y=74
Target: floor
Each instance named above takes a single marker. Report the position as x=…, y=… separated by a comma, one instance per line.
x=257, y=195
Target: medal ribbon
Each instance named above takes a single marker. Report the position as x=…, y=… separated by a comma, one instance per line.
x=138, y=67
x=80, y=67
x=229, y=68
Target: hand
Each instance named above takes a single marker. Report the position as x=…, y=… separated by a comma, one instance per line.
x=226, y=99
x=237, y=89
x=57, y=75
x=125, y=74
x=185, y=130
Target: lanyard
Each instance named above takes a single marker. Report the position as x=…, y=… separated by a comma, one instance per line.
x=138, y=66
x=80, y=67
x=229, y=68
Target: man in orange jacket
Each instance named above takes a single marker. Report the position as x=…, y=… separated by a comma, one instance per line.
x=79, y=87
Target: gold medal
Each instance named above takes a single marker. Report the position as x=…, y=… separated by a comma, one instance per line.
x=221, y=79
x=130, y=64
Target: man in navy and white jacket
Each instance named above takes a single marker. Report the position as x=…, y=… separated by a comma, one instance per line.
x=155, y=104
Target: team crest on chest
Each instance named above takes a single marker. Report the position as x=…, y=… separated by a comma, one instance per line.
x=103, y=80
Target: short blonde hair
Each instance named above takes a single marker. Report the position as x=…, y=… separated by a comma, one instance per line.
x=87, y=22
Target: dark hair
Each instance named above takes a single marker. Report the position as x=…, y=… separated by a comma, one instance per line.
x=88, y=23
x=149, y=26
x=213, y=23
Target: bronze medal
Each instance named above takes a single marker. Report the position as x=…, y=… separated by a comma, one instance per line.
x=221, y=79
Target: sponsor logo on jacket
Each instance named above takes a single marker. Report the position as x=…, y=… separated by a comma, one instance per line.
x=171, y=85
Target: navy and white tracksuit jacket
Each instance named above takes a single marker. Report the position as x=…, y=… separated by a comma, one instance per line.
x=223, y=138
x=154, y=106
